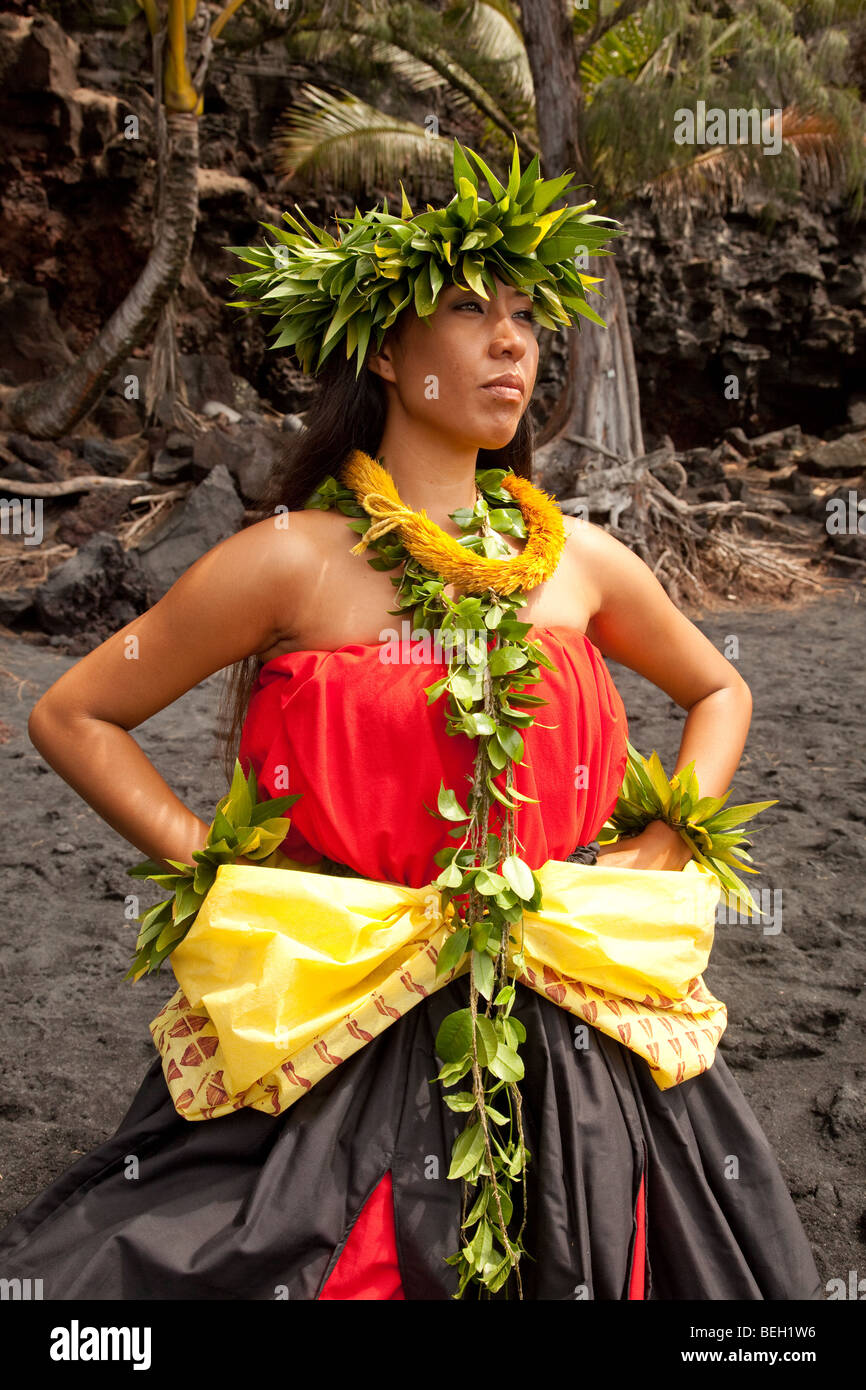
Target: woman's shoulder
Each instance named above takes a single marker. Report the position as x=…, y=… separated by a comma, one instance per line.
x=595, y=548
x=595, y=558
x=292, y=540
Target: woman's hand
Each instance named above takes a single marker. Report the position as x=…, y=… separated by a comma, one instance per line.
x=658, y=846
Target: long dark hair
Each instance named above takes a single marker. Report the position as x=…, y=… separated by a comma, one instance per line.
x=345, y=414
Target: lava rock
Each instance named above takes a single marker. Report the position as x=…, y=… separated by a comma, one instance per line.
x=212, y=512
x=98, y=590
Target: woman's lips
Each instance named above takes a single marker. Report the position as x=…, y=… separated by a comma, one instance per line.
x=507, y=393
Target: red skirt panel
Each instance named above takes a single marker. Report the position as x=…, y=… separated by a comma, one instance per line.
x=368, y=1267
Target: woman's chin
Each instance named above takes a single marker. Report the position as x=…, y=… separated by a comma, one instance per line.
x=496, y=434
x=498, y=441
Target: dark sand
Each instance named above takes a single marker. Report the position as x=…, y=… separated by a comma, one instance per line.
x=74, y=1036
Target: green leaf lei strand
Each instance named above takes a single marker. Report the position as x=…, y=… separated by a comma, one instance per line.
x=484, y=871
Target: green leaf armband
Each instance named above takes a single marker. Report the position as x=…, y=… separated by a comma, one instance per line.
x=713, y=835
x=243, y=827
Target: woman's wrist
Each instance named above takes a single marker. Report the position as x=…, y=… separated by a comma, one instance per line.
x=196, y=841
x=668, y=841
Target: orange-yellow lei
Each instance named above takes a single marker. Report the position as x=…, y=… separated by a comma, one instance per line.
x=443, y=554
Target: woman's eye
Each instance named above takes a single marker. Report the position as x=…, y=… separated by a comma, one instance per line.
x=474, y=304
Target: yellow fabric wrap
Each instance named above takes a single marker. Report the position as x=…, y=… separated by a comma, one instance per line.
x=286, y=972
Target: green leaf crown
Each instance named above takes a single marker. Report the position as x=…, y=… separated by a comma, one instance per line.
x=325, y=290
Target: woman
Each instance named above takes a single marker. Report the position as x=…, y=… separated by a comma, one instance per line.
x=345, y=1194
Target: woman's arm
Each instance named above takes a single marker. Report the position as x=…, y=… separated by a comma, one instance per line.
x=230, y=603
x=634, y=622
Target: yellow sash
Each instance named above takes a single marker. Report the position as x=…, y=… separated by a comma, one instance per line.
x=287, y=972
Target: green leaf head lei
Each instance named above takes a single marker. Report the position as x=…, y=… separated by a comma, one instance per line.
x=325, y=290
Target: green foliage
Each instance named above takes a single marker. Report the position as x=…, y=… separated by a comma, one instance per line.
x=776, y=56
x=242, y=827
x=326, y=291
x=633, y=75
x=712, y=834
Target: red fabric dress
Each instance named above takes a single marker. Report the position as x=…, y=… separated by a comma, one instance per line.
x=355, y=735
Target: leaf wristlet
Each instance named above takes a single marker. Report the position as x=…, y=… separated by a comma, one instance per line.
x=713, y=834
x=242, y=827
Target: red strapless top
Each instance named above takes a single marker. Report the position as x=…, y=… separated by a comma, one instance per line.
x=358, y=739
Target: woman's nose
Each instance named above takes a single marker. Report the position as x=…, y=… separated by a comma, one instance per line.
x=506, y=334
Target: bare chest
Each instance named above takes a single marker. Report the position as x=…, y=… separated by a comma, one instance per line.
x=341, y=599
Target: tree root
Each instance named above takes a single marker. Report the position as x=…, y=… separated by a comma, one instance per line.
x=680, y=540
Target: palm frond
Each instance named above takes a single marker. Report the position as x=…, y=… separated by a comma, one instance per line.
x=412, y=39
x=359, y=52
x=355, y=145
x=491, y=34
x=719, y=177
x=624, y=51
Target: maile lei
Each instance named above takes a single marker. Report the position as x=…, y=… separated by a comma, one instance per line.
x=490, y=661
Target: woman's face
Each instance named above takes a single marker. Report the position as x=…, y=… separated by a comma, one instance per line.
x=437, y=370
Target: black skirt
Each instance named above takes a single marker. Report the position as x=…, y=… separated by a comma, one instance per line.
x=243, y=1205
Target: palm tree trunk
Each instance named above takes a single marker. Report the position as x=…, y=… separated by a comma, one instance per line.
x=51, y=408
x=600, y=399
x=601, y=396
